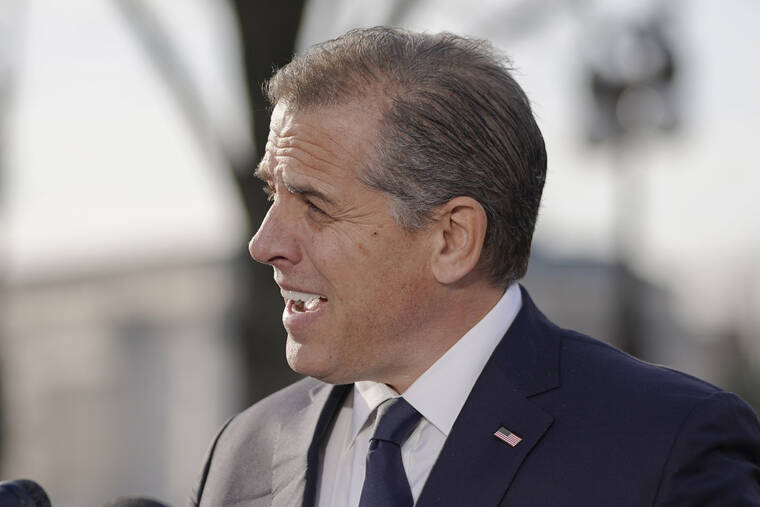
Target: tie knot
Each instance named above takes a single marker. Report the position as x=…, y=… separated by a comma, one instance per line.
x=397, y=420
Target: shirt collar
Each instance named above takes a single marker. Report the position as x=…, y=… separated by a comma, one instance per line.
x=368, y=396
x=440, y=392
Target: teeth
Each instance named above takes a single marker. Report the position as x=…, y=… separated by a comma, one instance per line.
x=302, y=301
x=311, y=304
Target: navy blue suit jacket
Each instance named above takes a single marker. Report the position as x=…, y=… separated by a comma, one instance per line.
x=598, y=428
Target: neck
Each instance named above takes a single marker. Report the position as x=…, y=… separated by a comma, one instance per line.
x=462, y=308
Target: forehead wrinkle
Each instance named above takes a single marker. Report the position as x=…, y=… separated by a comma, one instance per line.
x=294, y=147
x=306, y=159
x=295, y=134
x=297, y=188
x=294, y=186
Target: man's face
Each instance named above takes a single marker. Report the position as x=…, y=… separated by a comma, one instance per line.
x=357, y=287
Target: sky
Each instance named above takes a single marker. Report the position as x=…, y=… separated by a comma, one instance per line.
x=100, y=165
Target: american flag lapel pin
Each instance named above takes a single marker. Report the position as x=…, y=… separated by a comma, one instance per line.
x=507, y=436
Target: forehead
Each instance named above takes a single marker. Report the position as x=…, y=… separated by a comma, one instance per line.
x=329, y=141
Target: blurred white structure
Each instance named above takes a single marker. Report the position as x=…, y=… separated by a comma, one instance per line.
x=115, y=382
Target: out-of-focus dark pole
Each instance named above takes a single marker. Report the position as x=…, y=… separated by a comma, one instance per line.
x=631, y=71
x=268, y=34
x=267, y=37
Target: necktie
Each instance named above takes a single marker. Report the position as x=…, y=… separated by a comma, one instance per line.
x=385, y=482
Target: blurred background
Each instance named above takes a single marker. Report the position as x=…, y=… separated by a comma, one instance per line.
x=133, y=323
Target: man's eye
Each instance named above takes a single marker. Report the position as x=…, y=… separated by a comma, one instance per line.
x=313, y=207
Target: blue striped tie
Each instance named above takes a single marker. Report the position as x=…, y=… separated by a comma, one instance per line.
x=385, y=482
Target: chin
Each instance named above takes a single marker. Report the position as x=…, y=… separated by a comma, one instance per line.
x=307, y=362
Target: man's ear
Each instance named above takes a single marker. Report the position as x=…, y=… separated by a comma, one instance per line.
x=460, y=230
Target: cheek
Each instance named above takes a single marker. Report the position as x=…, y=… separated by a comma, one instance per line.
x=340, y=263
x=324, y=249
x=367, y=269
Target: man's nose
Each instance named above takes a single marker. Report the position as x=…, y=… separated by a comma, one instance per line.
x=275, y=242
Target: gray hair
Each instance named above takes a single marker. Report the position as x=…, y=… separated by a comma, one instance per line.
x=454, y=123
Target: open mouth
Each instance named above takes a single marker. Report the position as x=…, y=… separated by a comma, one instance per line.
x=302, y=302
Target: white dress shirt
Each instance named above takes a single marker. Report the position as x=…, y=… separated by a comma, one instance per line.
x=438, y=394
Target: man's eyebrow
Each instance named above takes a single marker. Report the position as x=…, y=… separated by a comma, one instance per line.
x=309, y=191
x=262, y=172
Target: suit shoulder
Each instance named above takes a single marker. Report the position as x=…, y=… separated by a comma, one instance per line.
x=587, y=359
x=662, y=436
x=255, y=429
x=244, y=447
x=278, y=406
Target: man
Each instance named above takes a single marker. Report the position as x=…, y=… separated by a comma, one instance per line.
x=405, y=173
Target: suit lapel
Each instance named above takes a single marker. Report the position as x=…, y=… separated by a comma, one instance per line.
x=475, y=467
x=295, y=462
